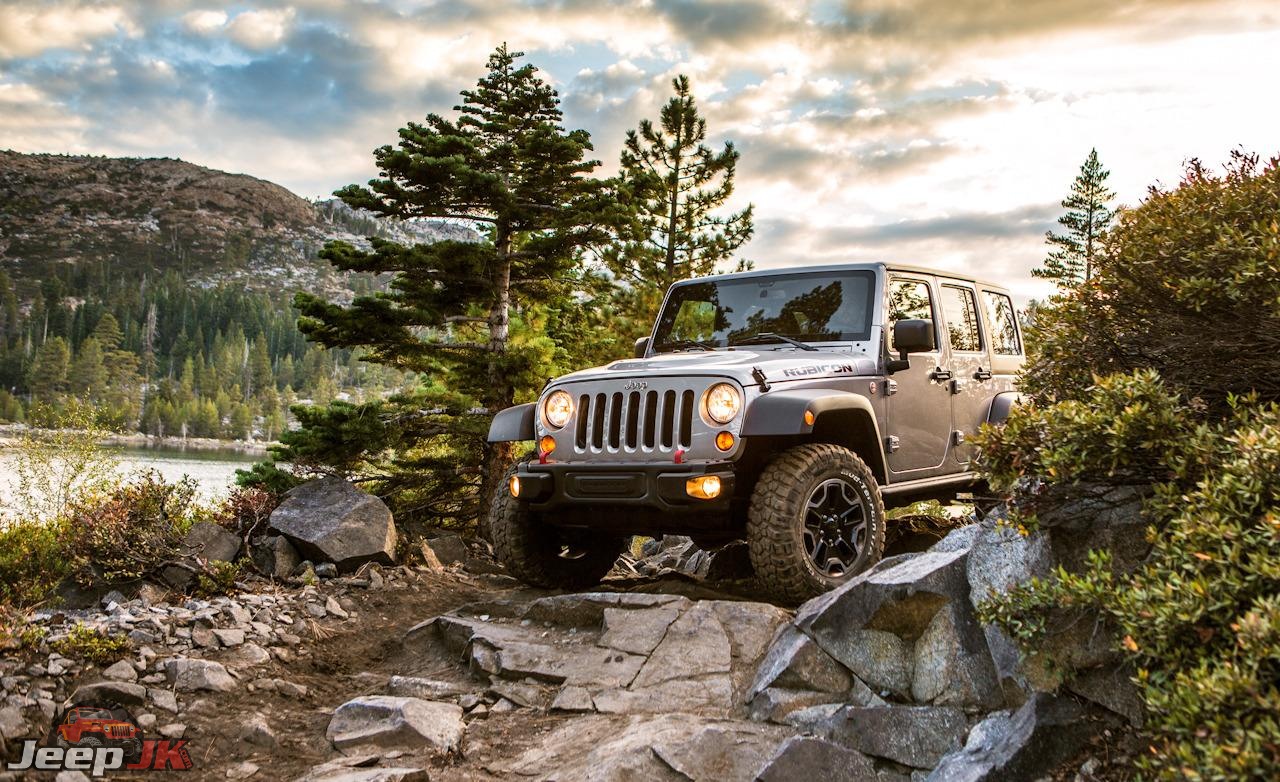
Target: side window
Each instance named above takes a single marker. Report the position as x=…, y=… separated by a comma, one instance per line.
x=961, y=310
x=909, y=300
x=1004, y=324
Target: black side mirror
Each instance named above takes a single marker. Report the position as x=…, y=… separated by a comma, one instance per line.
x=911, y=336
x=642, y=347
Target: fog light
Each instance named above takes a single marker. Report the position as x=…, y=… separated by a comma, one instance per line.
x=547, y=444
x=808, y=418
x=704, y=487
x=724, y=441
x=514, y=485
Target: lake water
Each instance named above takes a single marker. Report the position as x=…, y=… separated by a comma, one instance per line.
x=214, y=471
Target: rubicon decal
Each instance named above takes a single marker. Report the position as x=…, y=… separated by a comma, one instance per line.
x=98, y=739
x=819, y=369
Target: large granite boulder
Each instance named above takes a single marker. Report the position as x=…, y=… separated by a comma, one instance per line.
x=915, y=736
x=206, y=542
x=329, y=520
x=908, y=629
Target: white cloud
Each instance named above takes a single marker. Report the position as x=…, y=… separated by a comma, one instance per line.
x=28, y=29
x=203, y=21
x=260, y=29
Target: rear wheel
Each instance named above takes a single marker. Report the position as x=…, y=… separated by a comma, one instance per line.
x=544, y=555
x=816, y=520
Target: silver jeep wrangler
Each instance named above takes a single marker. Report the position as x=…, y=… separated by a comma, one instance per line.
x=784, y=407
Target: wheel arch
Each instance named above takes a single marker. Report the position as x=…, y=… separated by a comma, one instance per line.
x=839, y=417
x=515, y=424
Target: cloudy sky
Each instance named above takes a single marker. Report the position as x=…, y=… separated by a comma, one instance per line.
x=938, y=132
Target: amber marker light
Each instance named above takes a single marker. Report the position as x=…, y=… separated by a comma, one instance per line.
x=704, y=487
x=514, y=485
x=547, y=444
x=808, y=418
x=724, y=441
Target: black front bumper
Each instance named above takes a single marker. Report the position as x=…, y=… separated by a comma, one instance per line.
x=656, y=486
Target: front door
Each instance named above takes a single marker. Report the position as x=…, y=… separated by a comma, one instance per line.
x=919, y=407
x=970, y=365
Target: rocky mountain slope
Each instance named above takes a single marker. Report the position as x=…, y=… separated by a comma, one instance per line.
x=146, y=216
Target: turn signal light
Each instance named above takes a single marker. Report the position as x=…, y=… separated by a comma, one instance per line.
x=808, y=418
x=704, y=487
x=724, y=441
x=514, y=485
x=547, y=444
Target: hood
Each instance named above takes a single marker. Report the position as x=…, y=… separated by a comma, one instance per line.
x=778, y=365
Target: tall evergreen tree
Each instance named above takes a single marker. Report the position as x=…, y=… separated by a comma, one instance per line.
x=49, y=370
x=1087, y=218
x=8, y=310
x=680, y=184
x=505, y=164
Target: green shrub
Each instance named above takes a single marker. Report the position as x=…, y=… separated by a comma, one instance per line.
x=1200, y=619
x=32, y=561
x=219, y=578
x=93, y=646
x=1188, y=284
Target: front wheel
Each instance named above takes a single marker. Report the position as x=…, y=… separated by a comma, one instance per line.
x=816, y=520
x=543, y=555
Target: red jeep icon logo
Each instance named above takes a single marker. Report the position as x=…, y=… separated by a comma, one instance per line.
x=87, y=726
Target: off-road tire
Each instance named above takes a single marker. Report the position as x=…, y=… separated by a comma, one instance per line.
x=775, y=519
x=530, y=548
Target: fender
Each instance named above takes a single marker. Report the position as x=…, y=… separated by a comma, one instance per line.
x=1001, y=404
x=782, y=412
x=513, y=424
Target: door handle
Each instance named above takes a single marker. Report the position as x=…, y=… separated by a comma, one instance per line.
x=982, y=374
x=940, y=374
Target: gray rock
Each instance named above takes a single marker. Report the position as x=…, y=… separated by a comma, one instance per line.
x=694, y=645
x=256, y=732
x=916, y=736
x=327, y=570
x=229, y=636
x=1046, y=731
x=173, y=730
x=795, y=662
x=121, y=671
x=1112, y=688
x=573, y=699
x=123, y=693
x=873, y=625
x=212, y=543
x=427, y=689
x=776, y=705
x=637, y=632
x=1001, y=559
x=807, y=758
x=275, y=557
x=1084, y=517
x=362, y=768
x=189, y=674
x=12, y=724
x=448, y=549
x=331, y=520
x=164, y=699
x=389, y=721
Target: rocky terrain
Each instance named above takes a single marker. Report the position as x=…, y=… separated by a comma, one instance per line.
x=358, y=669
x=151, y=215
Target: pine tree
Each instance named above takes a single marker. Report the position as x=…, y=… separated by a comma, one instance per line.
x=507, y=165
x=87, y=376
x=679, y=184
x=49, y=371
x=1086, y=220
x=8, y=310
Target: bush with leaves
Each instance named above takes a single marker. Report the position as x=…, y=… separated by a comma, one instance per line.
x=131, y=531
x=1188, y=284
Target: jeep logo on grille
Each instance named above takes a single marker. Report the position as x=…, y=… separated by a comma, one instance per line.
x=635, y=385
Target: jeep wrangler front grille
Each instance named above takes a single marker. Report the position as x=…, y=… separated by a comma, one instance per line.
x=635, y=420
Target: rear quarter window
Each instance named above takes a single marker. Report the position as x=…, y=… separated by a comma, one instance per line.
x=1005, y=340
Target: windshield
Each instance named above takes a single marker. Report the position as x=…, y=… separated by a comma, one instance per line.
x=810, y=307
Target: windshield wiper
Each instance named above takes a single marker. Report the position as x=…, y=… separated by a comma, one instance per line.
x=769, y=336
x=688, y=343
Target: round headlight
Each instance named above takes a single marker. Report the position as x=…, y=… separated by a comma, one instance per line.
x=723, y=403
x=557, y=409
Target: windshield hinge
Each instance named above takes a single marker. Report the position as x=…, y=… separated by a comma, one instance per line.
x=758, y=374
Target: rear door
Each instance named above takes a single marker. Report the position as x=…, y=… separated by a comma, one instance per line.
x=918, y=410
x=970, y=364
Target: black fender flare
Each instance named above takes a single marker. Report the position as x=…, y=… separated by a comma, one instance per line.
x=1001, y=404
x=515, y=424
x=783, y=412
